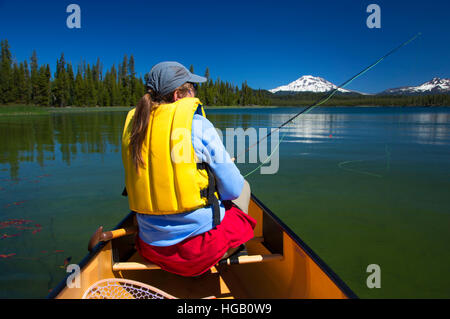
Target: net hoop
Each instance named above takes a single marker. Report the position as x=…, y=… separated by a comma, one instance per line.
x=118, y=288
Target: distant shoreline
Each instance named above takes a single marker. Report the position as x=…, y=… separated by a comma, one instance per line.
x=322, y=106
x=38, y=110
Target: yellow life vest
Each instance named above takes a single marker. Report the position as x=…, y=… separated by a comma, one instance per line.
x=171, y=181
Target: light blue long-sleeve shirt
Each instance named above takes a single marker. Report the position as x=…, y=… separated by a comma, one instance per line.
x=167, y=230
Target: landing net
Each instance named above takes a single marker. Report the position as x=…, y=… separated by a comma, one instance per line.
x=116, y=288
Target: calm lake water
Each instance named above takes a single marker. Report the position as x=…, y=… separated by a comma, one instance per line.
x=360, y=186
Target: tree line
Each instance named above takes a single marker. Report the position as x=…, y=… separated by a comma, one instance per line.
x=33, y=84
x=28, y=83
x=306, y=99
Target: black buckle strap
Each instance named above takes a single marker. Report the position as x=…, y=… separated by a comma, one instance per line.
x=206, y=192
x=209, y=193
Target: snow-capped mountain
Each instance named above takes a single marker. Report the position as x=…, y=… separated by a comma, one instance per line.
x=436, y=85
x=309, y=83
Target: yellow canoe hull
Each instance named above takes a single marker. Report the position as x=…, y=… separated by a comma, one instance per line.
x=280, y=265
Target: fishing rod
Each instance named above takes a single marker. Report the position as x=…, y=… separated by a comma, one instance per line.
x=323, y=99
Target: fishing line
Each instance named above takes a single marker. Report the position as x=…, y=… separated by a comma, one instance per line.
x=388, y=165
x=322, y=100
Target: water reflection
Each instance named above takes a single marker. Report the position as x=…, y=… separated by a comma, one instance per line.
x=47, y=138
x=63, y=136
x=418, y=125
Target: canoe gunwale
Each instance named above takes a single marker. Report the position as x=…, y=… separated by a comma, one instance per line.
x=322, y=265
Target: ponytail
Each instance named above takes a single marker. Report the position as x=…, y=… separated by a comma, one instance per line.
x=139, y=129
x=147, y=104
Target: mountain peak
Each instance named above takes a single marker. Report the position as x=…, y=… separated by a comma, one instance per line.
x=308, y=83
x=435, y=85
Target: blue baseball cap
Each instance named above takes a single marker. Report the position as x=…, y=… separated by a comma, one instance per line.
x=165, y=77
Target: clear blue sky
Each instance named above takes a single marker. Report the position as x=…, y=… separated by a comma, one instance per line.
x=267, y=43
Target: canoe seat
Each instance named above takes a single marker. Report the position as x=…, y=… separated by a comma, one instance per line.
x=139, y=263
x=144, y=265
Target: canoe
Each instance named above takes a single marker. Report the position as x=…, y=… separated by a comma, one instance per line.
x=276, y=264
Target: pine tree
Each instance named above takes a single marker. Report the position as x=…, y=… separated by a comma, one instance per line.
x=97, y=75
x=114, y=88
x=124, y=87
x=15, y=92
x=27, y=82
x=70, y=85
x=91, y=92
x=97, y=72
x=79, y=89
x=134, y=94
x=43, y=86
x=6, y=74
x=140, y=89
x=19, y=84
x=60, y=85
x=34, y=77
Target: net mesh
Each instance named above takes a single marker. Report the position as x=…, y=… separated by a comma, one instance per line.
x=117, y=288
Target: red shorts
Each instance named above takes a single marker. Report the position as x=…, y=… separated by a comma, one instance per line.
x=196, y=255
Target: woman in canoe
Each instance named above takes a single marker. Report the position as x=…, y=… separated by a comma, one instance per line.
x=179, y=178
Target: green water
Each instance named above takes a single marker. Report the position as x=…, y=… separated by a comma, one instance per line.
x=360, y=186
